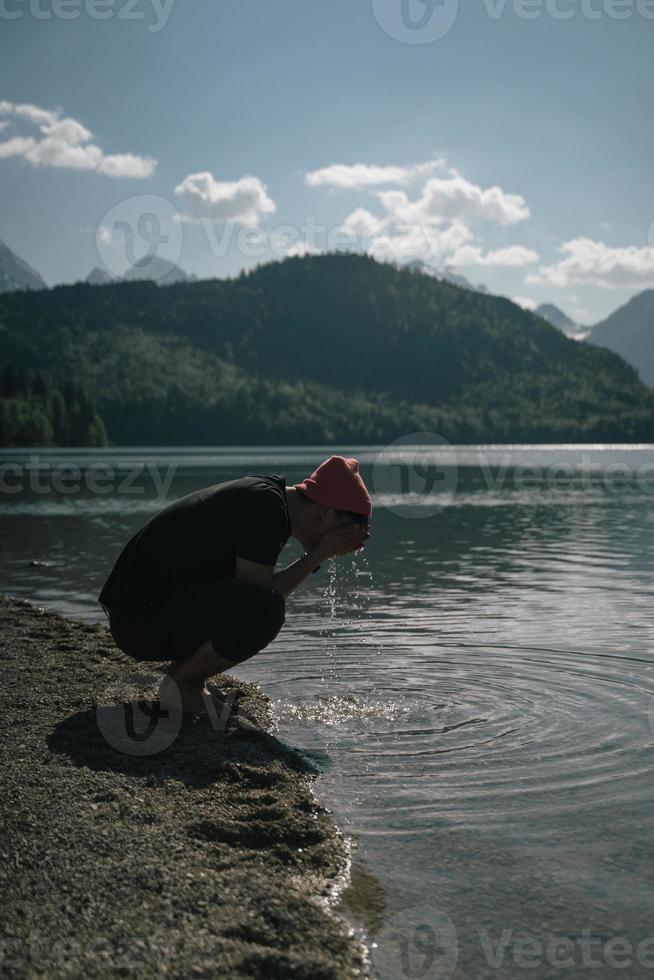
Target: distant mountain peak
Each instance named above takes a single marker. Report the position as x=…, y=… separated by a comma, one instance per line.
x=629, y=332
x=447, y=274
x=555, y=315
x=557, y=318
x=15, y=273
x=159, y=270
x=98, y=277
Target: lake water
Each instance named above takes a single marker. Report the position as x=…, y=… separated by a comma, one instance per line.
x=476, y=685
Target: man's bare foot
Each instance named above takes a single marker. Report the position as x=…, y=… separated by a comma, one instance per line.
x=175, y=697
x=195, y=700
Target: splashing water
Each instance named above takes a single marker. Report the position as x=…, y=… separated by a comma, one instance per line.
x=340, y=710
x=346, y=604
x=347, y=589
x=328, y=631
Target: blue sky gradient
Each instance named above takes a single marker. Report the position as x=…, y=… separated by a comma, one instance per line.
x=554, y=111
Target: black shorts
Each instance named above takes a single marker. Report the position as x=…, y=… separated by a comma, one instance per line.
x=239, y=618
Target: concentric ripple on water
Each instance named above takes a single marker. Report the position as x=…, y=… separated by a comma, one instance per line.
x=472, y=736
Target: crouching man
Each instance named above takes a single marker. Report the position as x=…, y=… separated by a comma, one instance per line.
x=196, y=586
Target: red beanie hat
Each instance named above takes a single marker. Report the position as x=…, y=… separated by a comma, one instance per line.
x=337, y=483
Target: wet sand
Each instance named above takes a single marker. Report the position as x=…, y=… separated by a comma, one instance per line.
x=209, y=857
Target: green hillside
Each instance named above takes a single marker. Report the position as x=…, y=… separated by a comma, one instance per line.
x=321, y=349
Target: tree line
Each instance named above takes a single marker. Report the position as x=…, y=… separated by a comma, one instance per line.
x=35, y=413
x=321, y=349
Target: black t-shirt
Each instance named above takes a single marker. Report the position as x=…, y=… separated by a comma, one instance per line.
x=197, y=538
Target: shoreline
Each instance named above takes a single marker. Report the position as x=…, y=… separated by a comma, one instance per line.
x=204, y=853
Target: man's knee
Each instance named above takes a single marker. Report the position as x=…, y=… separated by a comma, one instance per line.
x=257, y=617
x=263, y=602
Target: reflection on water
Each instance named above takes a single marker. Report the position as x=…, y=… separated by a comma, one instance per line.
x=478, y=684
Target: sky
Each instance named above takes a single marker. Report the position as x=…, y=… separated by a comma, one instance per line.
x=510, y=140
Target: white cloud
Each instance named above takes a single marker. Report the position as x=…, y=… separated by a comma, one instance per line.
x=352, y=176
x=65, y=142
x=17, y=146
x=433, y=246
x=525, y=302
x=105, y=234
x=362, y=224
x=391, y=240
x=592, y=263
x=434, y=226
x=36, y=115
x=513, y=256
x=127, y=165
x=244, y=201
x=450, y=198
x=300, y=249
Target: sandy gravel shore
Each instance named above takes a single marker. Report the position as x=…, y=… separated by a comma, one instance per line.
x=207, y=858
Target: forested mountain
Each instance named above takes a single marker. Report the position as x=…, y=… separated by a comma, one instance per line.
x=36, y=413
x=629, y=331
x=322, y=349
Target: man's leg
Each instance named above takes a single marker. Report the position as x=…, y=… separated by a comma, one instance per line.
x=189, y=676
x=244, y=617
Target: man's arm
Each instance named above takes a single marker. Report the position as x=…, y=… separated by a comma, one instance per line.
x=283, y=581
x=339, y=541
